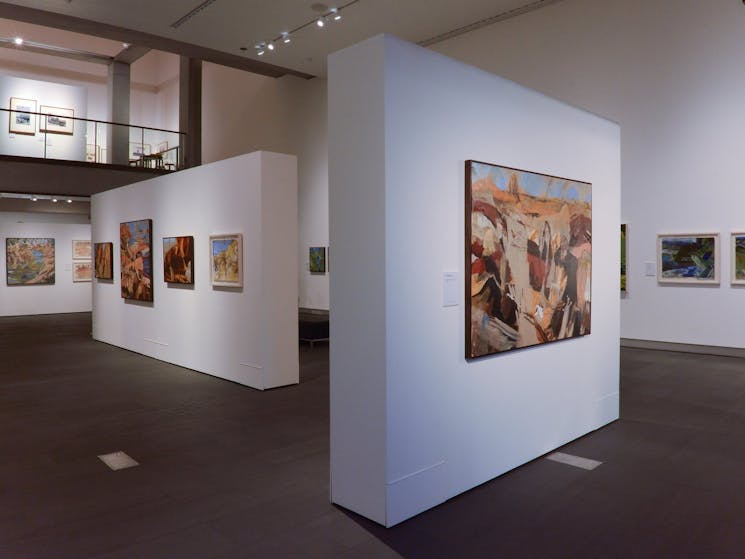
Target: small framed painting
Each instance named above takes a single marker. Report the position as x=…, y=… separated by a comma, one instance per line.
x=56, y=120
x=81, y=250
x=688, y=258
x=22, y=116
x=81, y=271
x=162, y=146
x=104, y=261
x=226, y=260
x=737, y=262
x=178, y=259
x=624, y=246
x=317, y=260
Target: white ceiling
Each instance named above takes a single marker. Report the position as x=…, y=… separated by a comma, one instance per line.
x=227, y=25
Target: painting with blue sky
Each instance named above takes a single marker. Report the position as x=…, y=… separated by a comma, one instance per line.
x=529, y=253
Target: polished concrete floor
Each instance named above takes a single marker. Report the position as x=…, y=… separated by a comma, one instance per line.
x=229, y=472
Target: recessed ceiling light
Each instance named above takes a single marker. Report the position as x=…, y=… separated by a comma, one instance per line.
x=285, y=37
x=319, y=22
x=34, y=199
x=18, y=41
x=125, y=45
x=336, y=14
x=54, y=199
x=260, y=53
x=270, y=46
x=69, y=201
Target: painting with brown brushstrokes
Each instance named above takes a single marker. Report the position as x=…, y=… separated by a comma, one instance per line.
x=529, y=252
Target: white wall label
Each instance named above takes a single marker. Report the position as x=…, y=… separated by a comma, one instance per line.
x=450, y=293
x=650, y=268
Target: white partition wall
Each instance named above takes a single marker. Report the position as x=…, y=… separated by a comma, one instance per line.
x=64, y=295
x=412, y=422
x=248, y=335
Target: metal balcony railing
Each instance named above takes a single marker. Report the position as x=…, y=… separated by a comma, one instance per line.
x=55, y=133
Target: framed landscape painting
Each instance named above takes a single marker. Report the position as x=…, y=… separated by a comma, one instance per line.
x=529, y=253
x=82, y=271
x=103, y=263
x=136, y=259
x=226, y=260
x=29, y=261
x=178, y=259
x=317, y=260
x=689, y=258
x=737, y=261
x=56, y=120
x=22, y=116
x=81, y=250
x=624, y=245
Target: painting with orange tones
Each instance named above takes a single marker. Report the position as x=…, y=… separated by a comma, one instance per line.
x=529, y=252
x=178, y=260
x=104, y=258
x=136, y=254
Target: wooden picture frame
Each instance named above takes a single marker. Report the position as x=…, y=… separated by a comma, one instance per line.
x=56, y=120
x=688, y=258
x=226, y=260
x=22, y=116
x=104, y=261
x=528, y=258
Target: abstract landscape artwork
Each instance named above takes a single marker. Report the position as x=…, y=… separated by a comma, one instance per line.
x=103, y=263
x=624, y=244
x=226, y=260
x=136, y=253
x=178, y=259
x=81, y=250
x=82, y=271
x=689, y=258
x=317, y=260
x=529, y=252
x=737, y=263
x=29, y=261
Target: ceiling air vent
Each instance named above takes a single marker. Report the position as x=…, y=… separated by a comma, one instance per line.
x=183, y=19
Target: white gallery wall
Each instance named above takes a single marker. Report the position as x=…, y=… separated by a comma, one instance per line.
x=671, y=73
x=412, y=422
x=244, y=112
x=63, y=296
x=247, y=335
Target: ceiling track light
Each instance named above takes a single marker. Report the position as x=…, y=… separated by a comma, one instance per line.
x=18, y=41
x=285, y=37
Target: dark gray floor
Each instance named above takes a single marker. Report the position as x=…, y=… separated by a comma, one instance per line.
x=228, y=472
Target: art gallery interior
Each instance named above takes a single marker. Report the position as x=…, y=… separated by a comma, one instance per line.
x=303, y=279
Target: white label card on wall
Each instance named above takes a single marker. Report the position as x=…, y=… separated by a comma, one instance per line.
x=650, y=268
x=450, y=292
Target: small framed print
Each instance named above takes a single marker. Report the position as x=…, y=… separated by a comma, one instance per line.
x=317, y=260
x=22, y=116
x=226, y=260
x=82, y=270
x=81, y=250
x=737, y=260
x=56, y=120
x=691, y=258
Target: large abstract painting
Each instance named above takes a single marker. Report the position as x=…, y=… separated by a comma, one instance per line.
x=136, y=251
x=29, y=261
x=104, y=258
x=178, y=259
x=226, y=260
x=690, y=258
x=737, y=263
x=529, y=252
x=624, y=244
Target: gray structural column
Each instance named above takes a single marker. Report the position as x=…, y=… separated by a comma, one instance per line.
x=118, y=91
x=190, y=110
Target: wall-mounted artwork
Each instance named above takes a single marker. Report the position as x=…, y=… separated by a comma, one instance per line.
x=137, y=151
x=29, y=261
x=104, y=260
x=136, y=249
x=178, y=259
x=56, y=120
x=689, y=258
x=162, y=146
x=81, y=250
x=317, y=260
x=22, y=116
x=92, y=153
x=624, y=245
x=737, y=262
x=82, y=271
x=226, y=260
x=529, y=253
